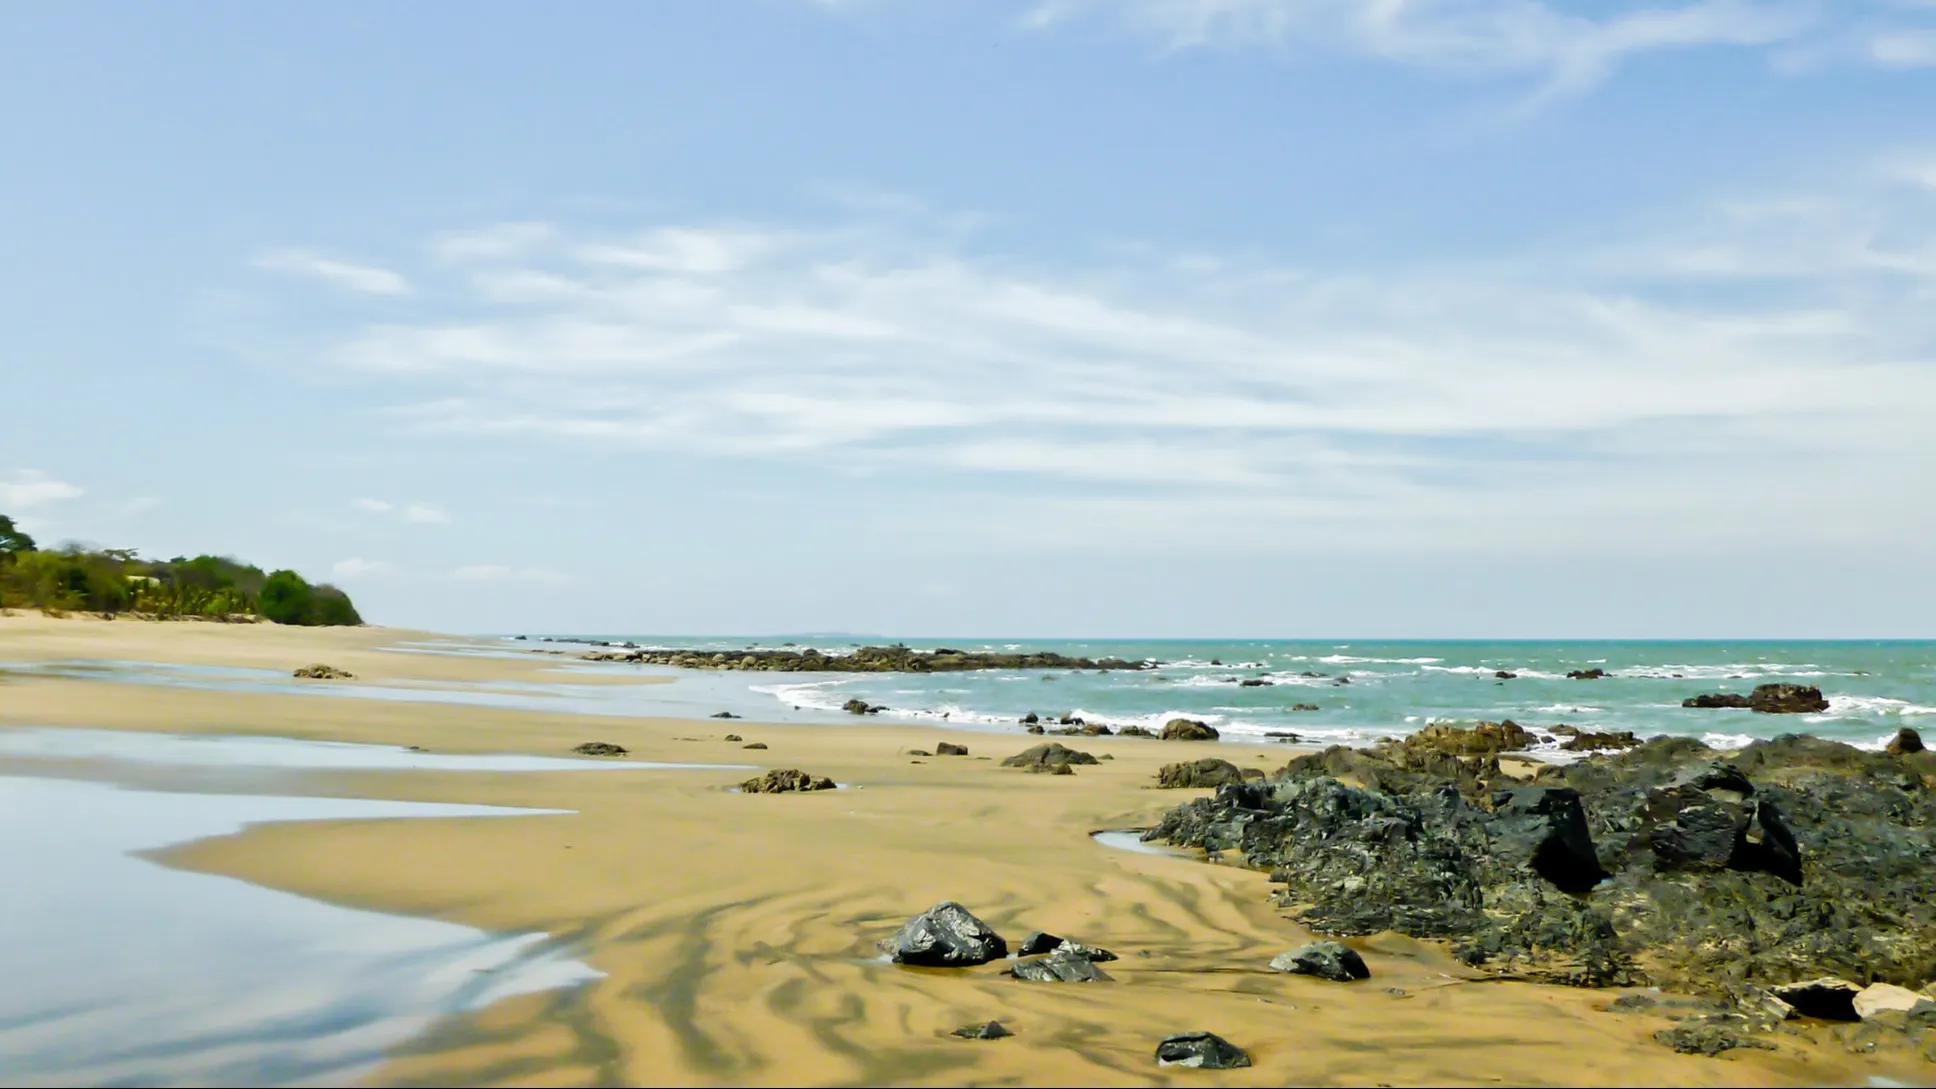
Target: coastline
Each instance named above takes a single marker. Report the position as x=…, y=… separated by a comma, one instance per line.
x=736, y=932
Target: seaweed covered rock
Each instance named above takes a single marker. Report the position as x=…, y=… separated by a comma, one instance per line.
x=599, y=748
x=1207, y=772
x=320, y=672
x=1188, y=729
x=1795, y=859
x=946, y=935
x=1485, y=739
x=785, y=781
x=1047, y=757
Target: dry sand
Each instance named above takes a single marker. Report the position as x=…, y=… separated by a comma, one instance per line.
x=737, y=931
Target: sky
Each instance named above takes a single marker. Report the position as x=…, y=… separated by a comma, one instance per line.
x=1179, y=318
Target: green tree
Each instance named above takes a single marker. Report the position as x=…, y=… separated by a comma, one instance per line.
x=13, y=539
x=331, y=607
x=286, y=598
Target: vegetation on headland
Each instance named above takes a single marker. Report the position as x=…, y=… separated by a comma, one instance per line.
x=112, y=581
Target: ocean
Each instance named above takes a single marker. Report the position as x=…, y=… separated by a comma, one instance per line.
x=1361, y=691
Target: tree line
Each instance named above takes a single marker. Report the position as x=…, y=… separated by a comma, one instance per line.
x=75, y=578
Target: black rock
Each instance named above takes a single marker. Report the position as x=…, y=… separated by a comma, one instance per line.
x=1254, y=682
x=1060, y=966
x=1030, y=719
x=987, y=1030
x=1545, y=830
x=1326, y=960
x=1828, y=998
x=1906, y=742
x=1047, y=757
x=949, y=748
x=599, y=748
x=1593, y=674
x=1206, y=1050
x=1037, y=943
x=1787, y=699
x=724, y=714
x=1505, y=675
x=945, y=936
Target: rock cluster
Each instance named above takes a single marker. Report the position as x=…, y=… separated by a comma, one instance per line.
x=894, y=659
x=1661, y=865
x=1769, y=699
x=320, y=672
x=785, y=781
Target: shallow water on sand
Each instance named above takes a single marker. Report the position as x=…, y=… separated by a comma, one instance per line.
x=122, y=971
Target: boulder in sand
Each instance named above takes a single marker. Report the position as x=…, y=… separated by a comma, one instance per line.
x=1060, y=966
x=1205, y=1050
x=1047, y=757
x=946, y=935
x=987, y=1030
x=320, y=672
x=1334, y=961
x=1196, y=774
x=949, y=748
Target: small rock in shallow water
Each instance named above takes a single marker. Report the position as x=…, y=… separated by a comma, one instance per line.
x=945, y=936
x=785, y=781
x=599, y=748
x=1327, y=960
x=1205, y=1050
x=987, y=1030
x=1060, y=966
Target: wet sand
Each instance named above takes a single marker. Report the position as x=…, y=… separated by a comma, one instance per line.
x=737, y=931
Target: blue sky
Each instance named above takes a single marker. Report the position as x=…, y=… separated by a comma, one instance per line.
x=1146, y=317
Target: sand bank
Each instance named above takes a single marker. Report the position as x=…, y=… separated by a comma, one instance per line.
x=737, y=932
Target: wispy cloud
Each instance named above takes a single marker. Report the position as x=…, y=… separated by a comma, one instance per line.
x=489, y=572
x=29, y=488
x=1568, y=48
x=424, y=514
x=375, y=506
x=1747, y=345
x=363, y=279
x=356, y=568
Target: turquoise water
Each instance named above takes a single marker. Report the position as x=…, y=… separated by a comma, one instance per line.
x=1363, y=690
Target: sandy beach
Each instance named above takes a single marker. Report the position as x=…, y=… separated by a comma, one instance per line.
x=737, y=932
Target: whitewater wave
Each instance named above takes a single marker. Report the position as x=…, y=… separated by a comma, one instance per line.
x=1845, y=706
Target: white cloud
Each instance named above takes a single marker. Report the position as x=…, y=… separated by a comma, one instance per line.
x=363, y=279
x=29, y=488
x=358, y=568
x=1569, y=47
x=1767, y=338
x=488, y=572
x=424, y=514
x=1905, y=49
x=376, y=506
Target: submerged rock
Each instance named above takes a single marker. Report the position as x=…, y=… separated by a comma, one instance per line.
x=785, y=781
x=599, y=748
x=1047, y=757
x=987, y=1030
x=1207, y=772
x=1188, y=729
x=1334, y=961
x=1593, y=674
x=946, y=935
x=862, y=707
x=1206, y=1050
x=320, y=672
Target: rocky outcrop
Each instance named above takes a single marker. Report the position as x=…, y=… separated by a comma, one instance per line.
x=785, y=781
x=946, y=935
x=1047, y=757
x=599, y=748
x=1795, y=859
x=891, y=659
x=1905, y=743
x=1593, y=674
x=1188, y=729
x=1334, y=961
x=1485, y=739
x=1197, y=774
x=1768, y=699
x=1578, y=740
x=1205, y=1050
x=320, y=672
